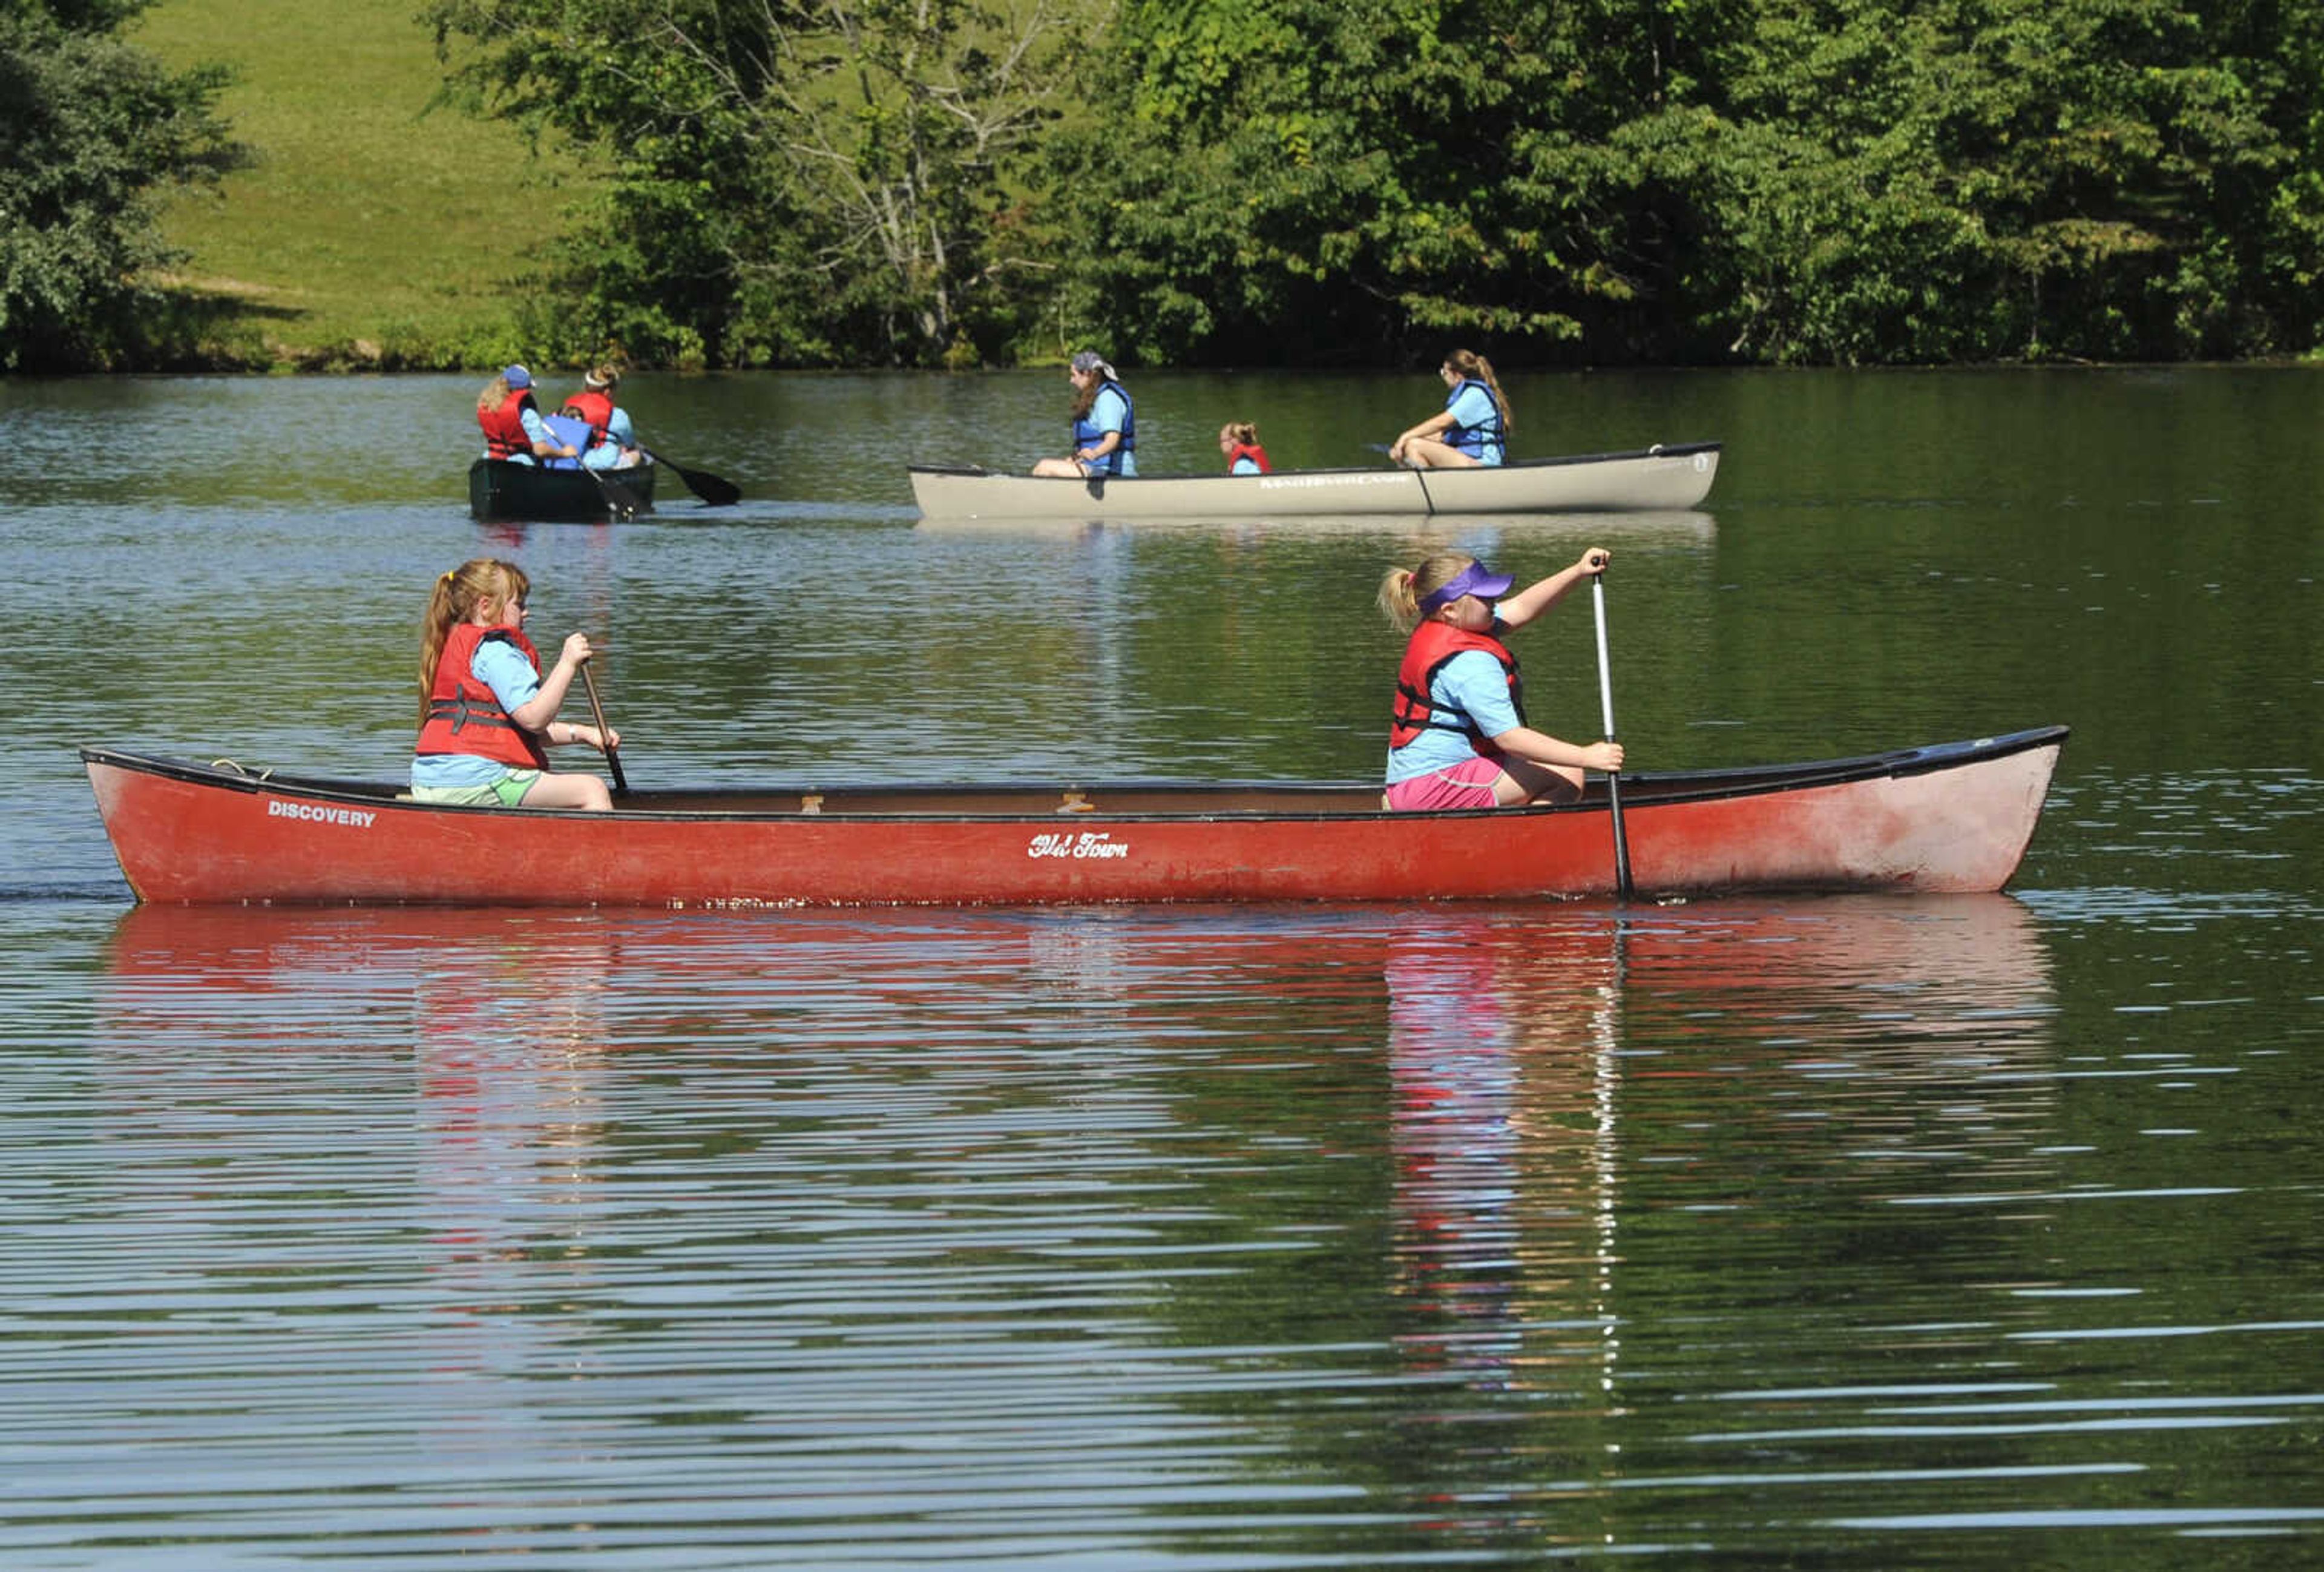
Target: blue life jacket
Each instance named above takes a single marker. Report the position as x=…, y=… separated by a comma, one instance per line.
x=1482, y=442
x=1086, y=435
x=571, y=431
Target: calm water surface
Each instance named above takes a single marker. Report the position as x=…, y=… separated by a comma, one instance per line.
x=1821, y=1233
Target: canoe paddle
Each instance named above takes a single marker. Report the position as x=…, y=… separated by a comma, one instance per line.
x=1606, y=702
x=623, y=502
x=605, y=735
x=618, y=497
x=715, y=490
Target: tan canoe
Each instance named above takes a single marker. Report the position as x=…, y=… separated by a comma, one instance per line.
x=1659, y=478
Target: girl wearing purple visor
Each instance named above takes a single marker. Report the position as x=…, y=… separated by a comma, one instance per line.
x=1458, y=737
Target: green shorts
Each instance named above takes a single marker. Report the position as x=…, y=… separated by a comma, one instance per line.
x=508, y=791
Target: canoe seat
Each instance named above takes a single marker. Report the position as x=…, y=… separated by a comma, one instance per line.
x=1074, y=803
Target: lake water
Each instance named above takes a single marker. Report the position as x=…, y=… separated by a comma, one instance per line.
x=1958, y=1233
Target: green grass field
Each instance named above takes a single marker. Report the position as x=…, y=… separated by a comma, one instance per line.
x=370, y=230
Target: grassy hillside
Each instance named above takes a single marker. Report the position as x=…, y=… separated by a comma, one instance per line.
x=369, y=231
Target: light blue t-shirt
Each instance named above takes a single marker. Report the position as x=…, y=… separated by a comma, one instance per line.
x=1246, y=465
x=502, y=667
x=1107, y=414
x=619, y=435
x=536, y=429
x=1473, y=405
x=1473, y=683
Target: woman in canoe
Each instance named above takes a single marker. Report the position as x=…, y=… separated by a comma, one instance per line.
x=513, y=428
x=1458, y=737
x=1105, y=428
x=1472, y=428
x=485, y=709
x=1238, y=443
x=612, y=442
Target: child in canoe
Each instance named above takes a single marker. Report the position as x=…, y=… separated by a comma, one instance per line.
x=484, y=707
x=1238, y=444
x=1458, y=737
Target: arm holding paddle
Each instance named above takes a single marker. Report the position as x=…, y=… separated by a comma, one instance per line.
x=485, y=705
x=1535, y=599
x=1540, y=748
x=545, y=444
x=539, y=714
x=1515, y=612
x=1457, y=734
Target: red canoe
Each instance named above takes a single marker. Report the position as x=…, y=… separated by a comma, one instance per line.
x=1951, y=818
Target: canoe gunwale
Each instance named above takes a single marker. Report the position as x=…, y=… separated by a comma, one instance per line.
x=1658, y=450
x=1082, y=801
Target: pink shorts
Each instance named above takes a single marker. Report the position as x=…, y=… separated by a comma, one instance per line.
x=1467, y=784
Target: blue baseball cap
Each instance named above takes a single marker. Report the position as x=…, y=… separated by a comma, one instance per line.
x=517, y=376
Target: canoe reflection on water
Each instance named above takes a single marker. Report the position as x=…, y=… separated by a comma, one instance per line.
x=1532, y=1081
x=1558, y=1086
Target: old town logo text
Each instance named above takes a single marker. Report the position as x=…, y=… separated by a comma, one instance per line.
x=1089, y=843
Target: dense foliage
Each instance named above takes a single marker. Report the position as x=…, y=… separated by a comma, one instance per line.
x=796, y=183
x=92, y=131
x=1826, y=180
x=1321, y=180
x=926, y=182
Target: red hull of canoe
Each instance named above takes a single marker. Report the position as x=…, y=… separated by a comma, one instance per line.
x=1953, y=819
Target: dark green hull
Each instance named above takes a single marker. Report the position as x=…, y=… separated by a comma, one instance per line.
x=527, y=493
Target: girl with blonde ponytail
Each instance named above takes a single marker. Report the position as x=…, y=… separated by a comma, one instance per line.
x=1473, y=427
x=485, y=710
x=1457, y=732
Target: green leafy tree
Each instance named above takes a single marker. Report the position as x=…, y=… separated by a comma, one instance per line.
x=1815, y=181
x=1314, y=180
x=1994, y=178
x=92, y=134
x=794, y=183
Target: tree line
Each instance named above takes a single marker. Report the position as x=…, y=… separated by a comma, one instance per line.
x=1316, y=182
x=93, y=133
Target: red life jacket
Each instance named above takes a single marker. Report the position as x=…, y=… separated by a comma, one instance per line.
x=463, y=715
x=597, y=408
x=1253, y=451
x=504, y=434
x=1434, y=643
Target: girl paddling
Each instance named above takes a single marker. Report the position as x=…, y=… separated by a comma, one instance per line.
x=1458, y=737
x=485, y=709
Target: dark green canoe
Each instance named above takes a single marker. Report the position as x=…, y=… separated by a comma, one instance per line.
x=527, y=493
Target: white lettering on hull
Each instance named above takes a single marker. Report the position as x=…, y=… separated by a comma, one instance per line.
x=313, y=813
x=1089, y=843
x=1351, y=477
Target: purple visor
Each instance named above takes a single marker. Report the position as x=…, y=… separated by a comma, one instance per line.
x=1475, y=579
